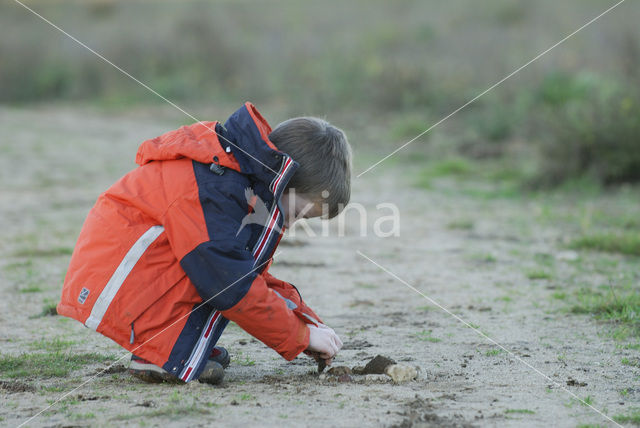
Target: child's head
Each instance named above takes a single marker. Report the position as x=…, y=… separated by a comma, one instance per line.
x=324, y=155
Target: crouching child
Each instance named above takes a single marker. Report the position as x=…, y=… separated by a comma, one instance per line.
x=182, y=244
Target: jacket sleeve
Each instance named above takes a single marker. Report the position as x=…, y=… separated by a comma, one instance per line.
x=222, y=268
x=292, y=297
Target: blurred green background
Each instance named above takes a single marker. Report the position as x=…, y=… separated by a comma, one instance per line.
x=385, y=71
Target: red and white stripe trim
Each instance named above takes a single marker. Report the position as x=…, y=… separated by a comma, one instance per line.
x=283, y=170
x=268, y=231
x=201, y=346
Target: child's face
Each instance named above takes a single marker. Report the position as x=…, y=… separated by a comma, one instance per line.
x=296, y=206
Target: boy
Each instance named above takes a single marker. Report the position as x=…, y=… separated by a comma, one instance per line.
x=166, y=257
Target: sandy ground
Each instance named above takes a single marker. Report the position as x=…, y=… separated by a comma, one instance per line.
x=53, y=165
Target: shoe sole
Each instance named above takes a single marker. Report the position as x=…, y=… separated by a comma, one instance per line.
x=151, y=373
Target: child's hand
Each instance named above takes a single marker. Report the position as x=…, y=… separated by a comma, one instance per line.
x=324, y=341
x=338, y=341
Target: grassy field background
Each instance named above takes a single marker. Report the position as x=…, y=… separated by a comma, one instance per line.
x=526, y=202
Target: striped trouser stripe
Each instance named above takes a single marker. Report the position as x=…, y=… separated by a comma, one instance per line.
x=203, y=343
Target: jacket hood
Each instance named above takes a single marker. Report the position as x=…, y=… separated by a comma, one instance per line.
x=241, y=144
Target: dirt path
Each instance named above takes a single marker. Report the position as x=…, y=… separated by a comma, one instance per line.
x=475, y=256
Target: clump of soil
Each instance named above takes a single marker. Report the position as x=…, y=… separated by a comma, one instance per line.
x=114, y=369
x=377, y=365
x=15, y=386
x=572, y=382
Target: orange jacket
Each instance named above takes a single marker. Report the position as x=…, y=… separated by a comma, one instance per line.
x=161, y=263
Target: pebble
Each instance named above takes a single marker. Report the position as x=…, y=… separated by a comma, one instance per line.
x=339, y=371
x=345, y=378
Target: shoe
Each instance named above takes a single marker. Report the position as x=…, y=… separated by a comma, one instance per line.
x=220, y=356
x=213, y=373
x=149, y=372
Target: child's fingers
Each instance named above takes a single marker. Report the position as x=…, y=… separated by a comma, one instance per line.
x=334, y=349
x=338, y=342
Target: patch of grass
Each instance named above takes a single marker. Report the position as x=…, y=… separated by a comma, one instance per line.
x=16, y=266
x=496, y=191
x=30, y=289
x=458, y=167
x=172, y=412
x=544, y=259
x=52, y=345
x=634, y=346
x=453, y=167
x=521, y=411
x=484, y=258
x=633, y=362
x=426, y=336
x=243, y=360
x=628, y=243
x=588, y=400
x=82, y=416
x=538, y=274
x=460, y=224
x=559, y=295
x=632, y=416
x=493, y=352
x=620, y=308
x=54, y=364
x=44, y=252
x=623, y=332
x=591, y=134
x=408, y=126
x=48, y=310
x=365, y=285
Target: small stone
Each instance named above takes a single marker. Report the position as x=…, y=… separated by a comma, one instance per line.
x=323, y=376
x=345, y=378
x=339, y=371
x=401, y=373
